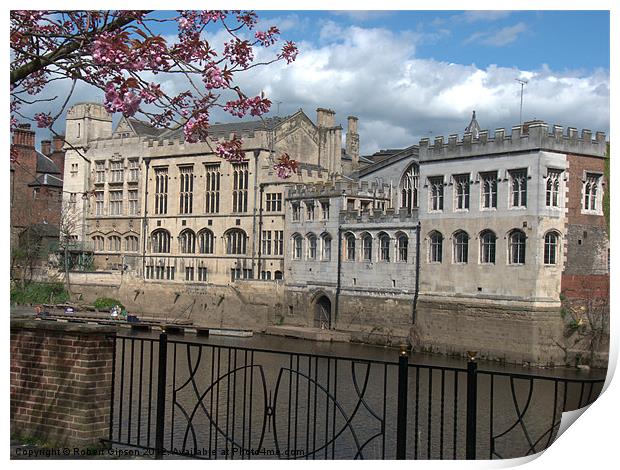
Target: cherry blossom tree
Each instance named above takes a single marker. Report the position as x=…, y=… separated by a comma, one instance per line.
x=125, y=54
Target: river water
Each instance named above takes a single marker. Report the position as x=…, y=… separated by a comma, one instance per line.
x=273, y=397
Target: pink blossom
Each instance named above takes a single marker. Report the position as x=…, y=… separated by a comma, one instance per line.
x=289, y=52
x=231, y=150
x=44, y=120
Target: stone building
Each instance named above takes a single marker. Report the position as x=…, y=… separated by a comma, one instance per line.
x=167, y=210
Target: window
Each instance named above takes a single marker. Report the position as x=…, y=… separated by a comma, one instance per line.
x=189, y=273
x=205, y=242
x=100, y=172
x=350, y=243
x=237, y=273
x=187, y=242
x=461, y=192
x=326, y=242
x=488, y=181
x=325, y=210
x=384, y=247
x=72, y=196
x=277, y=275
x=74, y=169
x=160, y=241
x=265, y=275
x=551, y=248
x=461, y=247
x=266, y=242
x=134, y=170
x=516, y=247
x=274, y=202
x=402, y=242
x=212, y=194
x=296, y=211
x=161, y=190
x=436, y=193
x=114, y=243
x=98, y=202
x=552, y=194
x=309, y=210
x=131, y=243
x=236, y=242
x=133, y=201
x=240, y=187
x=186, y=189
x=297, y=241
x=202, y=274
x=436, y=248
x=312, y=242
x=487, y=247
x=409, y=188
x=116, y=171
x=98, y=243
x=116, y=202
x=518, y=187
x=278, y=243
x=367, y=247
x=590, y=192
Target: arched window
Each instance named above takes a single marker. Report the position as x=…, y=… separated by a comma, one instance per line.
x=551, y=248
x=131, y=243
x=277, y=275
x=205, y=242
x=312, y=242
x=516, y=246
x=402, y=243
x=367, y=247
x=461, y=247
x=114, y=243
x=326, y=244
x=487, y=247
x=350, y=242
x=384, y=247
x=409, y=188
x=436, y=247
x=236, y=242
x=160, y=241
x=187, y=241
x=297, y=242
x=98, y=242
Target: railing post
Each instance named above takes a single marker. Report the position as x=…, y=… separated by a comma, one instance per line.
x=161, y=395
x=401, y=409
x=472, y=405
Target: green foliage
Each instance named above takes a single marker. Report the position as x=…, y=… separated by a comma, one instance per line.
x=106, y=303
x=39, y=293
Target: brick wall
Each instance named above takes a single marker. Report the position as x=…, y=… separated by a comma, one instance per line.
x=585, y=287
x=61, y=379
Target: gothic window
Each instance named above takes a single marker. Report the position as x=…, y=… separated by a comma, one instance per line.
x=186, y=189
x=516, y=246
x=114, y=243
x=436, y=193
x=205, y=242
x=487, y=247
x=590, y=192
x=131, y=243
x=297, y=241
x=518, y=187
x=160, y=241
x=461, y=247
x=488, y=181
x=326, y=242
x=436, y=247
x=296, y=211
x=350, y=243
x=551, y=248
x=552, y=193
x=367, y=247
x=309, y=210
x=240, y=187
x=161, y=190
x=98, y=242
x=325, y=210
x=187, y=241
x=402, y=243
x=384, y=247
x=461, y=192
x=236, y=241
x=212, y=194
x=409, y=188
x=312, y=243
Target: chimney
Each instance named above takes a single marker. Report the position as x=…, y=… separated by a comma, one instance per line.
x=58, y=141
x=23, y=136
x=45, y=147
x=325, y=117
x=58, y=154
x=352, y=142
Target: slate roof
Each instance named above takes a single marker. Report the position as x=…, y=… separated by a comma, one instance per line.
x=225, y=129
x=46, y=165
x=144, y=129
x=46, y=179
x=388, y=159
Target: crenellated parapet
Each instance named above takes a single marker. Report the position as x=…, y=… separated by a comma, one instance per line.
x=533, y=135
x=338, y=188
x=377, y=216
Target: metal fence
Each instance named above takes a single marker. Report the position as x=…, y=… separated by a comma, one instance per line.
x=182, y=398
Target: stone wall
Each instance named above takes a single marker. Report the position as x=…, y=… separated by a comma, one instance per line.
x=61, y=379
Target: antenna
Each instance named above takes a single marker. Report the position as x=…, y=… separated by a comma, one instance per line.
x=522, y=82
x=278, y=103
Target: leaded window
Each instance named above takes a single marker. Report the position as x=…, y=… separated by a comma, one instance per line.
x=461, y=247
x=516, y=246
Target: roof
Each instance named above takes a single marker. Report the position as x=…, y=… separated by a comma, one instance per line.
x=473, y=127
x=220, y=129
x=46, y=180
x=46, y=165
x=144, y=129
x=391, y=158
x=346, y=156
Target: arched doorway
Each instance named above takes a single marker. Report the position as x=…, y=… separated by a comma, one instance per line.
x=323, y=312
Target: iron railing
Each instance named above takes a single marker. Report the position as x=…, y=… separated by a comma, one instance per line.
x=213, y=401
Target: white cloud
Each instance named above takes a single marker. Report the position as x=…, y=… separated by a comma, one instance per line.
x=499, y=37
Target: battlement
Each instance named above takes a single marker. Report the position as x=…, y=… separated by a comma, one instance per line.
x=377, y=216
x=533, y=135
x=338, y=189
